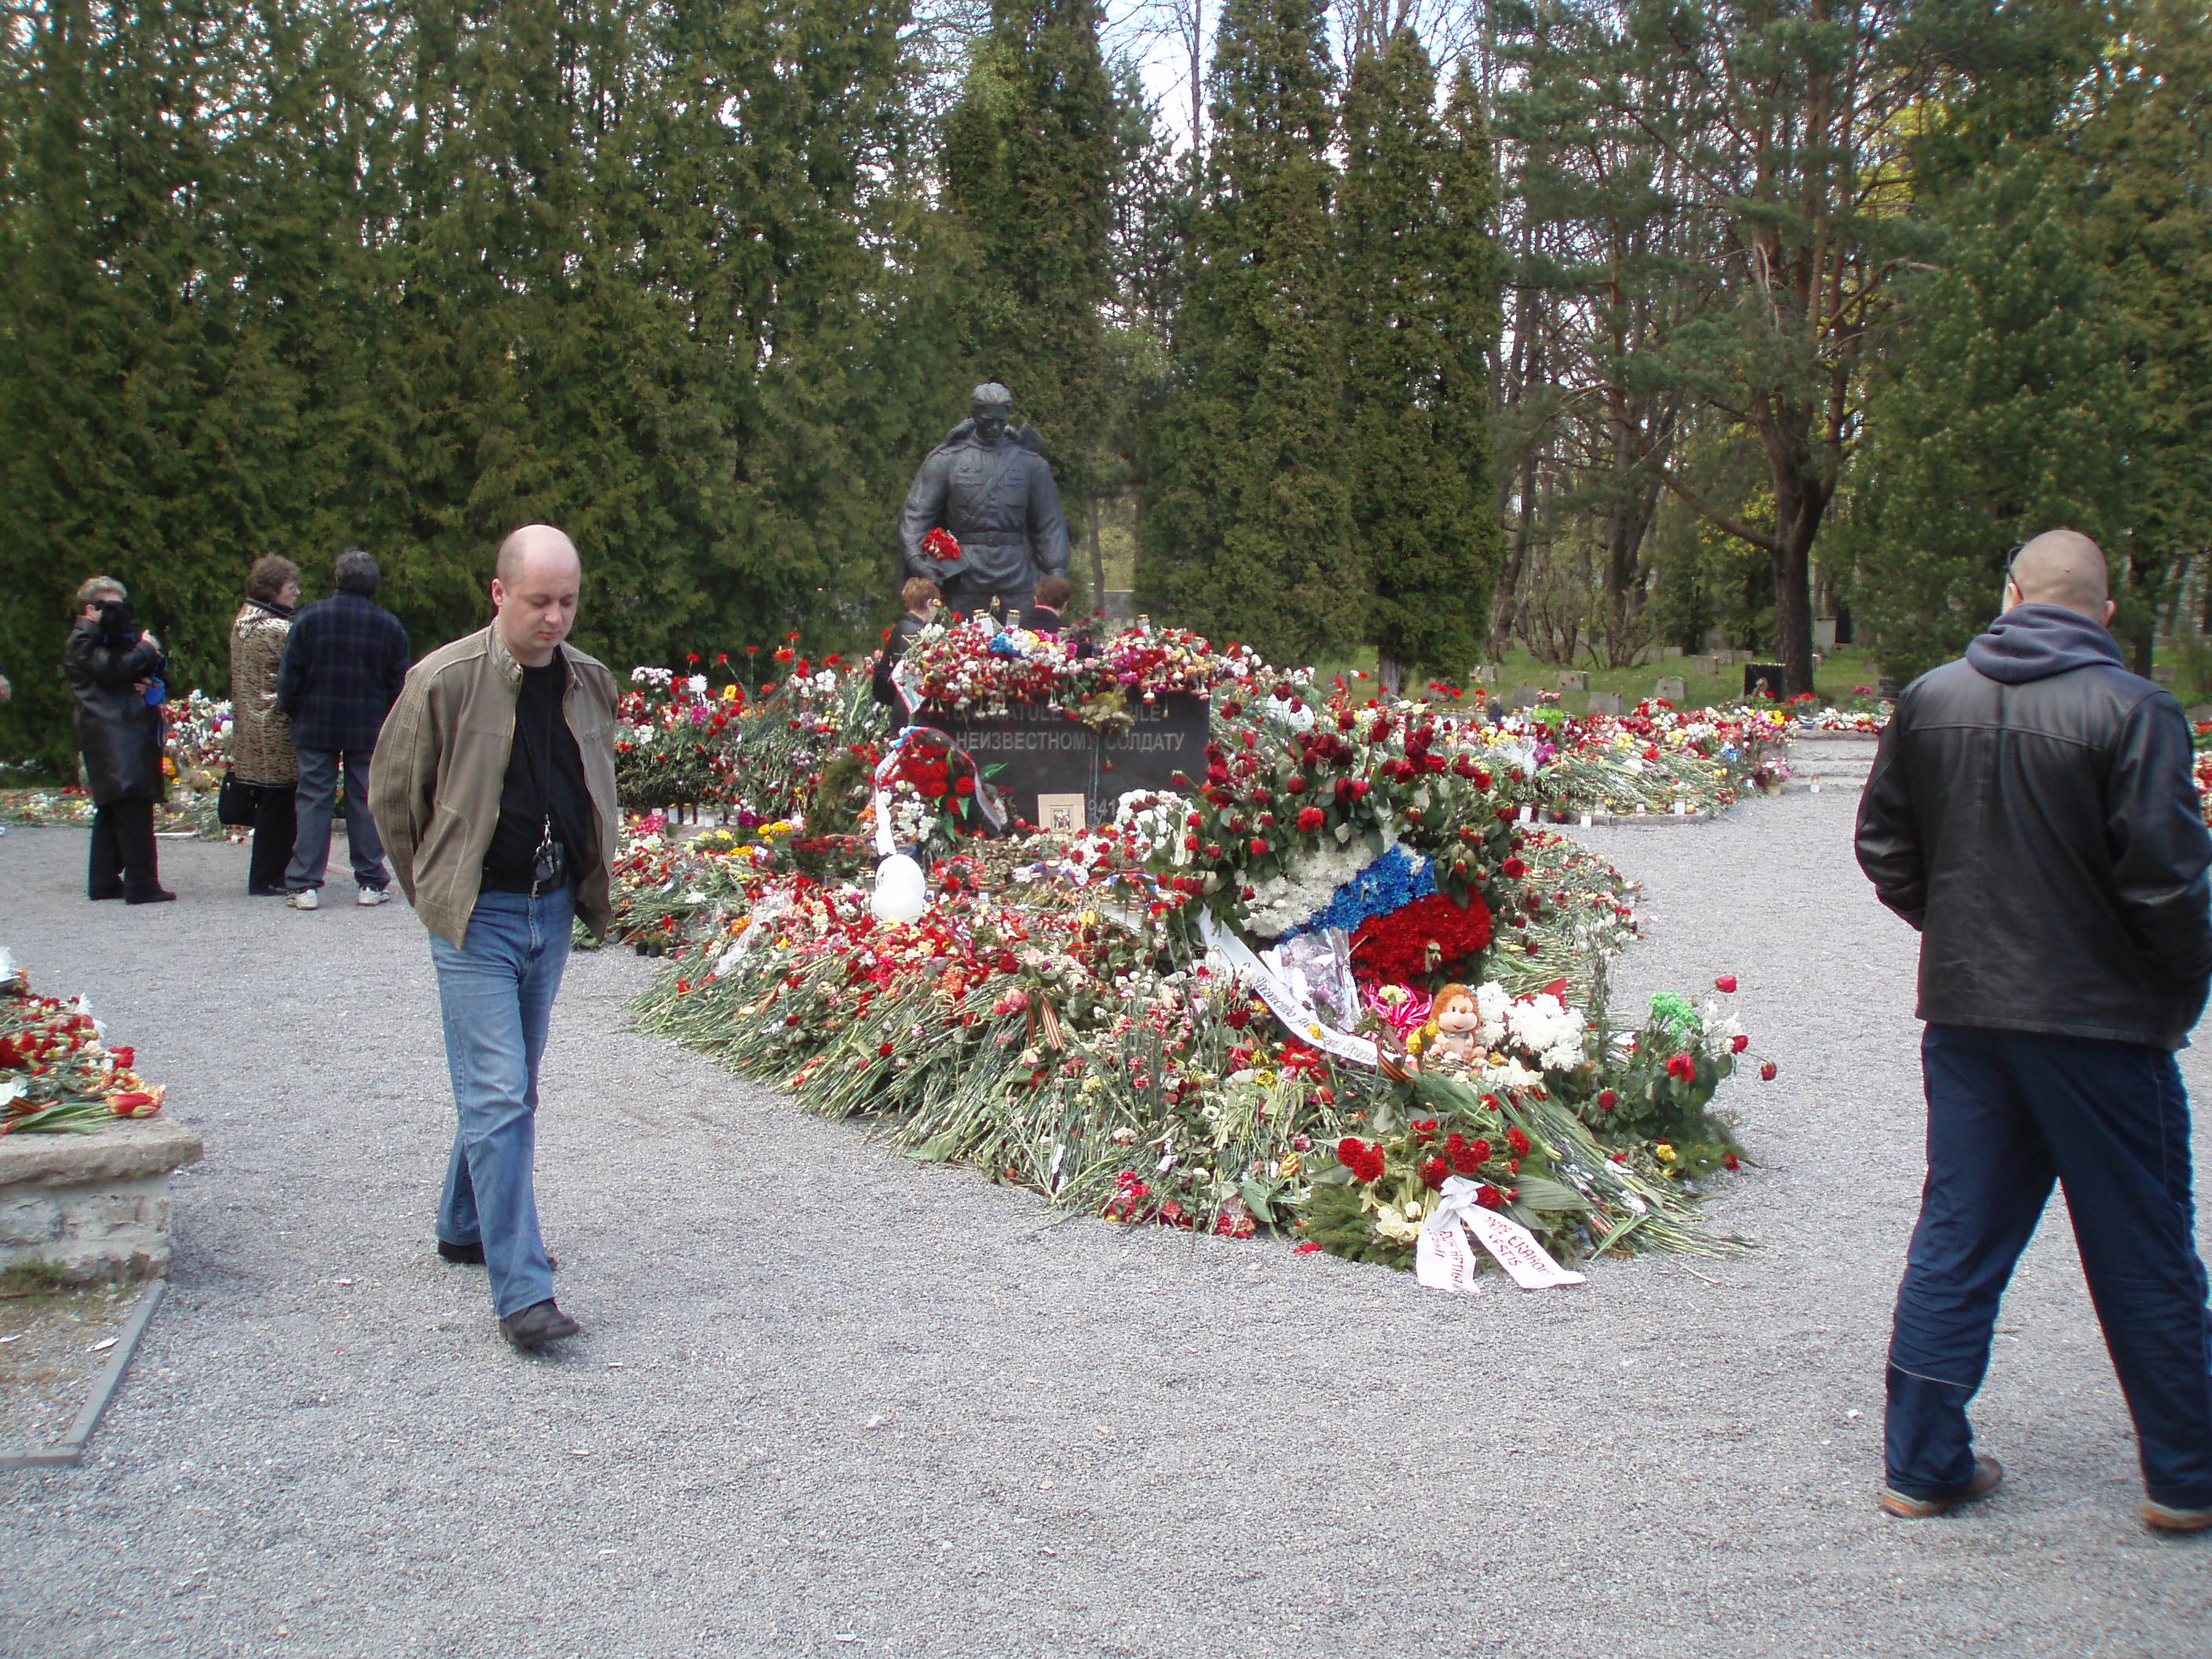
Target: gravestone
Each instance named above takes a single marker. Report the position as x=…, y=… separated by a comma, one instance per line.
x=1768, y=677
x=1823, y=633
x=1523, y=696
x=1483, y=673
x=1053, y=770
x=1670, y=688
x=1605, y=703
x=1573, y=679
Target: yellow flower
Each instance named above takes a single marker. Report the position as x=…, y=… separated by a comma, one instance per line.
x=1289, y=1167
x=1665, y=1152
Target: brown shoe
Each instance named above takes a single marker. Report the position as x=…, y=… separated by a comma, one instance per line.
x=1989, y=1474
x=2164, y=1517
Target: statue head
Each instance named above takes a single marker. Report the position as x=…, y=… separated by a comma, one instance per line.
x=993, y=407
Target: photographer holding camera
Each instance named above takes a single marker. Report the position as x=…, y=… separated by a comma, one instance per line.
x=115, y=670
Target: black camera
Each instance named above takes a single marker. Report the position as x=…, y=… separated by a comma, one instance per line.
x=118, y=628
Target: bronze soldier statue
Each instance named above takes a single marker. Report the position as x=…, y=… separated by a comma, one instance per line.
x=991, y=488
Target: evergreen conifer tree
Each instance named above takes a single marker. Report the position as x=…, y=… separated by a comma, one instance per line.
x=1247, y=527
x=1030, y=153
x=1420, y=280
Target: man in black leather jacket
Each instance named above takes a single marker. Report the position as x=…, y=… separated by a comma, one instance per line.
x=2032, y=812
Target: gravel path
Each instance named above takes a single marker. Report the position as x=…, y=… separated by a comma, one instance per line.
x=831, y=1401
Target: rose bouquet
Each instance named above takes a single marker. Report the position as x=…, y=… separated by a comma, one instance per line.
x=58, y=1075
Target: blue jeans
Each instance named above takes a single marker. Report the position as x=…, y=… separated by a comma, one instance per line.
x=496, y=994
x=2009, y=1112
x=311, y=838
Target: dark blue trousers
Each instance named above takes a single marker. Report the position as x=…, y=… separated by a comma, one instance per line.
x=2007, y=1113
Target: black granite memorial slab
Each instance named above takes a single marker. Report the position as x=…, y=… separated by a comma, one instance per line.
x=1047, y=766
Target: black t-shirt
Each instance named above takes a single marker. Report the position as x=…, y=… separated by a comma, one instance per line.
x=544, y=776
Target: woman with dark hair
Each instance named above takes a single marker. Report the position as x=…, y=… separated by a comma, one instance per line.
x=113, y=666
x=261, y=755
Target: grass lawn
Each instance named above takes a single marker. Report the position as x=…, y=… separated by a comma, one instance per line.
x=1837, y=680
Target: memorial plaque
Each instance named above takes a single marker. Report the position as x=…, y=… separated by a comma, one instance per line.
x=1038, y=757
x=1031, y=749
x=1169, y=737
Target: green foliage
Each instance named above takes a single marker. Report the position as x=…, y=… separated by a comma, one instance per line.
x=1421, y=319
x=1031, y=156
x=290, y=277
x=2054, y=366
x=2025, y=425
x=1248, y=534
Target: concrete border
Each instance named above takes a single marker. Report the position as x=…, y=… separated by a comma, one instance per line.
x=69, y=1448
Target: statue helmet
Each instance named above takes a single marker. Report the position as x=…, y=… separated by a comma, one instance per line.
x=991, y=394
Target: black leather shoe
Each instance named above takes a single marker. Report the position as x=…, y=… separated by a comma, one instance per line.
x=537, y=1324
x=158, y=895
x=472, y=1256
x=98, y=897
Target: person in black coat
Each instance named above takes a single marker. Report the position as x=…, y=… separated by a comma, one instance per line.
x=2033, y=814
x=923, y=599
x=112, y=664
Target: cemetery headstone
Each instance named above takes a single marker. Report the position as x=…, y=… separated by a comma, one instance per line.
x=1605, y=703
x=1522, y=697
x=1670, y=688
x=1573, y=679
x=1768, y=677
x=1483, y=673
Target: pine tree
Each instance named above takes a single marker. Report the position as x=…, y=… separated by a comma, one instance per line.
x=1247, y=527
x=1030, y=153
x=2028, y=425
x=1420, y=278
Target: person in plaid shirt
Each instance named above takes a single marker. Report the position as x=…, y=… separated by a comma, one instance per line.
x=343, y=665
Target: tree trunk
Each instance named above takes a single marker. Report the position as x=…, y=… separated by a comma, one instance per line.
x=1098, y=562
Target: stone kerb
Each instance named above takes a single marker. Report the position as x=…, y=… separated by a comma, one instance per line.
x=95, y=1206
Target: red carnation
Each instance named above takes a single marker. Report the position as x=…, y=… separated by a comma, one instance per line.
x=1516, y=1140
x=1257, y=846
x=1725, y=982
x=1350, y=1151
x=1607, y=1100
x=1766, y=1072
x=1738, y=1043
x=1309, y=819
x=1513, y=869
x=884, y=1050
x=1433, y=1173
x=963, y=785
x=1682, y=1067
x=1294, y=786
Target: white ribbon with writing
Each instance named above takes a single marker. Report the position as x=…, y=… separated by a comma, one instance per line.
x=1444, y=1261
x=1303, y=1021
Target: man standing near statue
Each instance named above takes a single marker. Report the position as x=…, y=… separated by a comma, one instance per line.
x=990, y=489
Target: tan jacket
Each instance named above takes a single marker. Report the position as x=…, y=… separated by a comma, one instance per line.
x=440, y=762
x=260, y=735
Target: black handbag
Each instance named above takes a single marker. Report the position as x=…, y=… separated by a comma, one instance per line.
x=234, y=802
